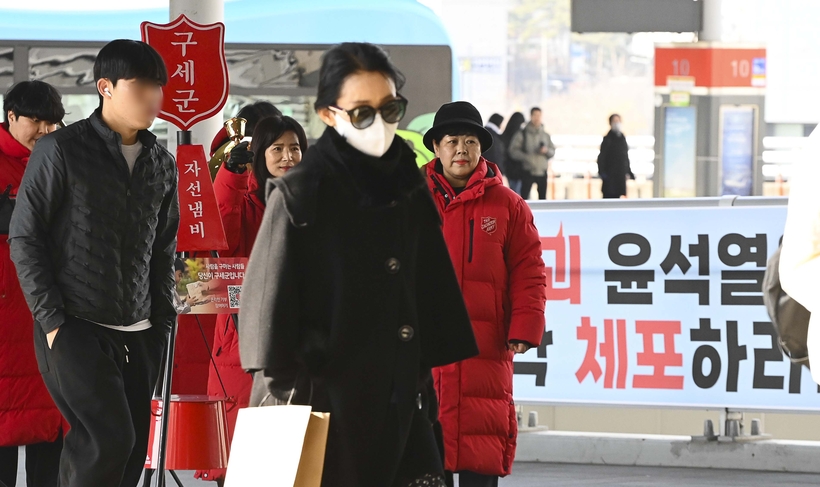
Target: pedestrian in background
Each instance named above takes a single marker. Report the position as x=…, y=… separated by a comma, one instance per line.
x=534, y=148
x=28, y=415
x=513, y=168
x=251, y=113
x=496, y=153
x=613, y=160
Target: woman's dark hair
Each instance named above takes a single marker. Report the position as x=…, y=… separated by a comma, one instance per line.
x=513, y=127
x=127, y=59
x=255, y=112
x=268, y=131
x=496, y=119
x=349, y=58
x=252, y=114
x=34, y=99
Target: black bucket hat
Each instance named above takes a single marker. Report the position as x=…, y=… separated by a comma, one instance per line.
x=458, y=114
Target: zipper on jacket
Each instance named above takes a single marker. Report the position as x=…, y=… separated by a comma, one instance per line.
x=472, y=231
x=447, y=198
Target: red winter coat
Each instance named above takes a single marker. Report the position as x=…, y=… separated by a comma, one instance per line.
x=241, y=216
x=496, y=252
x=27, y=413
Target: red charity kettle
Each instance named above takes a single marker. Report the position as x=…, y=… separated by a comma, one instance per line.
x=197, y=433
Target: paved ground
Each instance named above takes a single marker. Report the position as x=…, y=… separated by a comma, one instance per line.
x=555, y=475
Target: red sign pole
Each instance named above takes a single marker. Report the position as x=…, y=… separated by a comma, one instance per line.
x=197, y=89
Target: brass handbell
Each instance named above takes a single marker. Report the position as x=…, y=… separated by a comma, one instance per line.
x=235, y=127
x=236, y=131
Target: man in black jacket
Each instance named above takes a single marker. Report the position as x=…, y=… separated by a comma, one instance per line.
x=93, y=239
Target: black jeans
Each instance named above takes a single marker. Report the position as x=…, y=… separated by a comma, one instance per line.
x=102, y=380
x=526, y=186
x=42, y=464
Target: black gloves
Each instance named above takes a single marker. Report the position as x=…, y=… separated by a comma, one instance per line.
x=239, y=157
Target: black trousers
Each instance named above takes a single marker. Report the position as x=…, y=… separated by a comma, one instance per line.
x=526, y=186
x=102, y=380
x=614, y=186
x=472, y=479
x=42, y=464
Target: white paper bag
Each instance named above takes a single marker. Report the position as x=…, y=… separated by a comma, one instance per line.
x=282, y=446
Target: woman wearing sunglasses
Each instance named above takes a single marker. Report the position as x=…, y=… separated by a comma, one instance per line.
x=350, y=297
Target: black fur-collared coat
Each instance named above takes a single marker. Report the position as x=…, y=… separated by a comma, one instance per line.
x=351, y=298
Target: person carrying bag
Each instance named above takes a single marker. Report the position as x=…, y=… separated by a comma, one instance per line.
x=296, y=454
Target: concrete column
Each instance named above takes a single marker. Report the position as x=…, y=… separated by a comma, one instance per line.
x=712, y=30
x=201, y=12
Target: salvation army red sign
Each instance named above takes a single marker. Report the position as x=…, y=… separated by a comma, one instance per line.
x=200, y=224
x=194, y=54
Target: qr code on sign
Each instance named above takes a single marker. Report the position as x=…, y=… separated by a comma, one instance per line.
x=233, y=296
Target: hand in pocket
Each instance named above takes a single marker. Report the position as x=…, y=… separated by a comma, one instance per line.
x=51, y=336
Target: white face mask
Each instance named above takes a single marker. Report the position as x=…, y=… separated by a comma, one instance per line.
x=616, y=127
x=373, y=141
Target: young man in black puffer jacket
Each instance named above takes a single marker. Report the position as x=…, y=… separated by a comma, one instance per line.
x=93, y=238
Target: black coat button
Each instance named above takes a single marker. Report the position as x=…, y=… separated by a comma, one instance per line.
x=406, y=333
x=392, y=265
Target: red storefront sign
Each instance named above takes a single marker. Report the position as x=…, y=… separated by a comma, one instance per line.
x=194, y=54
x=712, y=67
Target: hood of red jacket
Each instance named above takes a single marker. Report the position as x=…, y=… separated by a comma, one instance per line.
x=9, y=145
x=486, y=175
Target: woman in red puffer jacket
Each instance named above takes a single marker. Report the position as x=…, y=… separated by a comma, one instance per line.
x=496, y=252
x=28, y=415
x=277, y=145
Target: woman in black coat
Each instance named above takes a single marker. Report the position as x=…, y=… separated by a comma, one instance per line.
x=613, y=161
x=351, y=297
x=513, y=169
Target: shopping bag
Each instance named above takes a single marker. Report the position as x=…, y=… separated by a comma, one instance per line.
x=281, y=446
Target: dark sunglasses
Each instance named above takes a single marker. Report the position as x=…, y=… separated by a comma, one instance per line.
x=364, y=116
